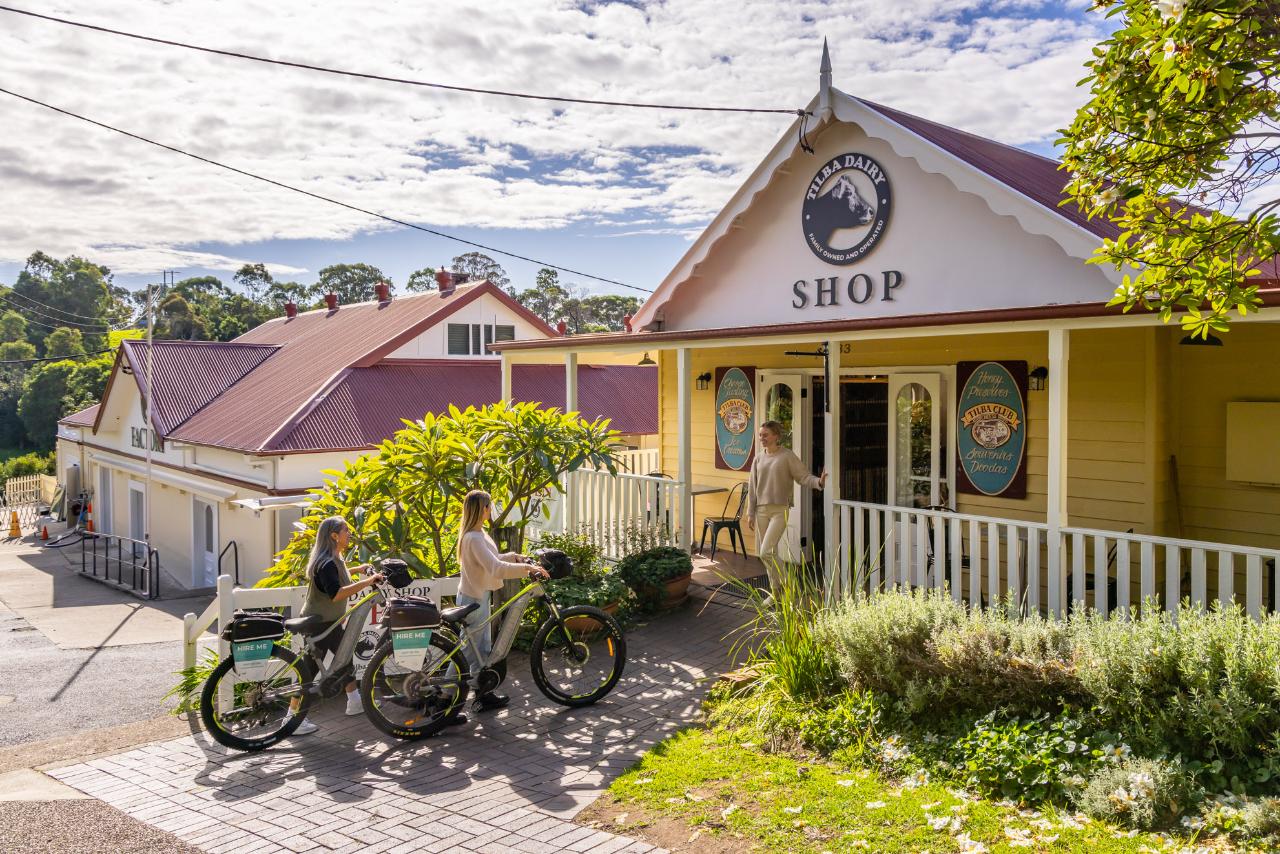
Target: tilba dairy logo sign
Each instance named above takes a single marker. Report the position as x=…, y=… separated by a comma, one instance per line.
x=846, y=208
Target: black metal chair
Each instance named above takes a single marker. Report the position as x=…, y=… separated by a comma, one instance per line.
x=733, y=524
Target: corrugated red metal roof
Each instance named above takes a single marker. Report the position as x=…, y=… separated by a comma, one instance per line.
x=190, y=374
x=1036, y=177
x=363, y=406
x=313, y=348
x=84, y=418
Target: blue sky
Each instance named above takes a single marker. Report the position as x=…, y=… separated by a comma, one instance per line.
x=614, y=192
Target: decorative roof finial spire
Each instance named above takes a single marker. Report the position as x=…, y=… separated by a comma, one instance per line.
x=824, y=83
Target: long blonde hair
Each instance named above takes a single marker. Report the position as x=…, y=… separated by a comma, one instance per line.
x=472, y=514
x=326, y=547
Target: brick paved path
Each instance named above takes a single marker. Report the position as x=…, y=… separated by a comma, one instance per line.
x=506, y=781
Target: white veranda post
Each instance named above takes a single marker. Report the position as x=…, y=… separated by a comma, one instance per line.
x=1056, y=510
x=570, y=382
x=831, y=462
x=506, y=378
x=684, y=473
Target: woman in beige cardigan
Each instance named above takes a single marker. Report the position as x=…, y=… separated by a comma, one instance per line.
x=770, y=493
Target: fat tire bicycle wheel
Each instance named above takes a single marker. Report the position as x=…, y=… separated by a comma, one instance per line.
x=215, y=722
x=427, y=715
x=558, y=650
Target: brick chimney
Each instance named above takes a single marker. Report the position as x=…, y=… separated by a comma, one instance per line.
x=562, y=328
x=383, y=290
x=444, y=280
x=626, y=322
x=331, y=301
x=290, y=309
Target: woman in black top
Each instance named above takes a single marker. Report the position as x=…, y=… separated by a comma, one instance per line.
x=328, y=589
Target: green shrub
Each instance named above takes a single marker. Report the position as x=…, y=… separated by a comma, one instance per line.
x=28, y=464
x=1143, y=794
x=580, y=548
x=1025, y=759
x=1206, y=687
x=597, y=590
x=846, y=726
x=924, y=651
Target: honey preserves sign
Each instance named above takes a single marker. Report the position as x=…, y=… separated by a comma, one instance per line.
x=992, y=440
x=735, y=417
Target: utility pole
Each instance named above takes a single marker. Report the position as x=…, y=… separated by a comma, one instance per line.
x=167, y=278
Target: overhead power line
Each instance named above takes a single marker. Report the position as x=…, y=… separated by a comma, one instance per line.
x=401, y=80
x=52, y=308
x=103, y=330
x=94, y=329
x=54, y=358
x=329, y=199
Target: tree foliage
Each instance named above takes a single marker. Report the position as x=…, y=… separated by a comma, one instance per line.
x=477, y=265
x=68, y=292
x=1176, y=146
x=351, y=282
x=63, y=342
x=405, y=499
x=53, y=390
x=421, y=281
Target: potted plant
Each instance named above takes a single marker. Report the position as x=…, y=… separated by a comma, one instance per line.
x=658, y=576
x=605, y=591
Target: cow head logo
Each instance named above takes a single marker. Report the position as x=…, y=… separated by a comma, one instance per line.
x=846, y=208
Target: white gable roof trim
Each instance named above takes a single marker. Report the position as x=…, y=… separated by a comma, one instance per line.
x=1003, y=200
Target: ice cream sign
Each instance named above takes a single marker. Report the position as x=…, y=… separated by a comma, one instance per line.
x=992, y=440
x=735, y=417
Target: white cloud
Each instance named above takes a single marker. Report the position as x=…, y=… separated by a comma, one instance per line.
x=1004, y=69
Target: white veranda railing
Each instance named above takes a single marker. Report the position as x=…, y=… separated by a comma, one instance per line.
x=983, y=559
x=612, y=510
x=638, y=461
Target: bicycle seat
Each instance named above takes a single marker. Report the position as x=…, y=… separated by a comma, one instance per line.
x=312, y=624
x=458, y=613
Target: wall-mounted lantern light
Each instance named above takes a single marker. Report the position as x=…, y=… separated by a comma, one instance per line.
x=1209, y=340
x=646, y=361
x=704, y=381
x=1037, y=378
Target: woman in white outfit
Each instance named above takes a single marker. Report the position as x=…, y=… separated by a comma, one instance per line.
x=770, y=493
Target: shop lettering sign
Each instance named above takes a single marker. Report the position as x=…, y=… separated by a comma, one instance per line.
x=138, y=437
x=992, y=430
x=735, y=417
x=846, y=208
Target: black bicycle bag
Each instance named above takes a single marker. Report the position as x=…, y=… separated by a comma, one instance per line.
x=254, y=625
x=411, y=612
x=557, y=564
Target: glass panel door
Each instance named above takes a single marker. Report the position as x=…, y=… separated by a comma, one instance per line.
x=779, y=399
x=916, y=440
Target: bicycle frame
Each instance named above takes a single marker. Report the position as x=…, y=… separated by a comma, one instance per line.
x=513, y=611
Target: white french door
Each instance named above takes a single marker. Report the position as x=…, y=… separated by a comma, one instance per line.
x=204, y=554
x=780, y=397
x=917, y=440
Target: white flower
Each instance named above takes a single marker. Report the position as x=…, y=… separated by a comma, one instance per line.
x=949, y=823
x=875, y=805
x=728, y=811
x=1171, y=10
x=969, y=846
x=1019, y=837
x=1141, y=784
x=792, y=810
x=1122, y=798
x=1170, y=48
x=1069, y=822
x=916, y=780
x=643, y=781
x=1106, y=198
x=1047, y=839
x=1115, y=752
x=845, y=783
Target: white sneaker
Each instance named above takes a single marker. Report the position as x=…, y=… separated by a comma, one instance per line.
x=354, y=705
x=306, y=727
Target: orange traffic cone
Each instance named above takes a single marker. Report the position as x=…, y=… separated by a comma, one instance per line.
x=44, y=532
x=15, y=530
x=88, y=526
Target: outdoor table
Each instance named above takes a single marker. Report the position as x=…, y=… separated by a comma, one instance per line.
x=707, y=489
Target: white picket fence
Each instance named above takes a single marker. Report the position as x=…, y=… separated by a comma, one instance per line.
x=983, y=559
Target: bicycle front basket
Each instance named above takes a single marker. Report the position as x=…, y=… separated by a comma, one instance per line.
x=555, y=562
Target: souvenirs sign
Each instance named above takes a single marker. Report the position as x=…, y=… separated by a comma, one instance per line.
x=735, y=417
x=992, y=430
x=846, y=208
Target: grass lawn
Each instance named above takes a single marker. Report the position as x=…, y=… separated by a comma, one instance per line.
x=704, y=790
